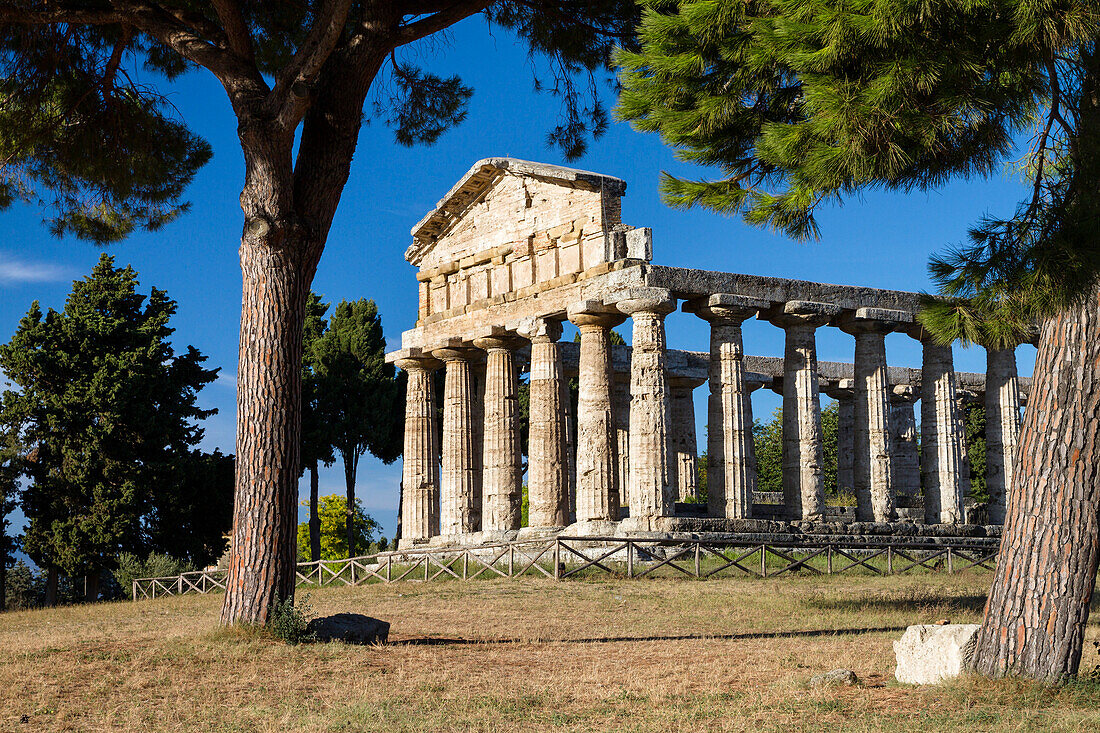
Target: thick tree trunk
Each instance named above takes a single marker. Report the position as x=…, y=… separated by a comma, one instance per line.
x=3, y=583
x=275, y=285
x=1035, y=617
x=314, y=519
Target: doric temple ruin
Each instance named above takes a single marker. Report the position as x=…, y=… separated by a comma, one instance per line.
x=515, y=248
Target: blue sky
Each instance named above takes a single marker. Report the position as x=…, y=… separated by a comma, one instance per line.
x=879, y=240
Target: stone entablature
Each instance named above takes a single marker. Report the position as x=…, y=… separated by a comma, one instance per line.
x=516, y=248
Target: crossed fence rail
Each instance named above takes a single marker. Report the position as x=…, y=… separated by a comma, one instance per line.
x=559, y=558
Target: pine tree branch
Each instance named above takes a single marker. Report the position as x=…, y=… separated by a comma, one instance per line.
x=236, y=29
x=574, y=18
x=290, y=97
x=48, y=13
x=439, y=21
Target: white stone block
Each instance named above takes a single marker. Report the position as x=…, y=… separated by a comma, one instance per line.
x=929, y=654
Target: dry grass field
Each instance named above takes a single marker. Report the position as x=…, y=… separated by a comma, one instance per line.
x=511, y=655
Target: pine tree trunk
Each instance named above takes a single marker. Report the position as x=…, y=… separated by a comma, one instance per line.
x=1035, y=617
x=350, y=466
x=314, y=519
x=91, y=587
x=51, y=587
x=3, y=583
x=276, y=280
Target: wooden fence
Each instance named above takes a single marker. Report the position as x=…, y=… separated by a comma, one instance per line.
x=559, y=558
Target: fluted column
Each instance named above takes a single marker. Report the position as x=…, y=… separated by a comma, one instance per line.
x=945, y=471
x=548, y=460
x=420, y=457
x=501, y=487
x=803, y=459
x=904, y=451
x=683, y=446
x=651, y=493
x=620, y=410
x=597, y=457
x=871, y=474
x=1002, y=428
x=843, y=391
x=459, y=494
x=731, y=458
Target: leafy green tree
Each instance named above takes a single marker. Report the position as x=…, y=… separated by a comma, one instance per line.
x=10, y=471
x=768, y=441
x=316, y=430
x=155, y=565
x=190, y=512
x=804, y=101
x=333, y=511
x=975, y=450
x=111, y=414
x=362, y=397
x=86, y=129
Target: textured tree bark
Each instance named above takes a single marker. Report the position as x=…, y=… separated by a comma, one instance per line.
x=1035, y=617
x=314, y=518
x=262, y=561
x=91, y=587
x=351, y=467
x=51, y=587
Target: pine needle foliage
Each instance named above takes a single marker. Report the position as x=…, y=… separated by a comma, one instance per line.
x=800, y=102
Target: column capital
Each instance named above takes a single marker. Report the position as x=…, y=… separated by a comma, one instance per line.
x=495, y=338
x=540, y=330
x=414, y=358
x=632, y=301
x=915, y=330
x=873, y=320
x=593, y=313
x=451, y=349
x=904, y=394
x=725, y=307
x=804, y=313
x=839, y=389
x=683, y=382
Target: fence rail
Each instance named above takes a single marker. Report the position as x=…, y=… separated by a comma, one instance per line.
x=559, y=558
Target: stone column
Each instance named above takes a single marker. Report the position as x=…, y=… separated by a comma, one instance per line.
x=683, y=447
x=548, y=460
x=731, y=458
x=420, y=457
x=904, y=451
x=620, y=409
x=597, y=457
x=945, y=471
x=501, y=481
x=871, y=474
x=459, y=495
x=843, y=391
x=651, y=493
x=803, y=460
x=1002, y=428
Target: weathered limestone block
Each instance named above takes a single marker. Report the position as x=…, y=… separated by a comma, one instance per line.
x=871, y=472
x=684, y=471
x=731, y=458
x=548, y=462
x=501, y=487
x=597, y=457
x=459, y=491
x=945, y=470
x=928, y=654
x=651, y=494
x=420, y=463
x=1002, y=428
x=803, y=459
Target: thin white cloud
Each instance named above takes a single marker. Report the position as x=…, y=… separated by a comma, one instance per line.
x=226, y=379
x=15, y=271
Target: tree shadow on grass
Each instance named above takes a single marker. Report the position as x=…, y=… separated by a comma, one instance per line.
x=961, y=603
x=445, y=641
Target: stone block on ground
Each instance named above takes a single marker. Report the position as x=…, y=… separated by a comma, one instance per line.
x=350, y=628
x=835, y=677
x=928, y=654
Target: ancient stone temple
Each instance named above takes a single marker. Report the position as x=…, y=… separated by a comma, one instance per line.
x=516, y=248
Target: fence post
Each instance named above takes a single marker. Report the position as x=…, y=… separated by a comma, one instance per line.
x=511, y=559
x=763, y=561
x=389, y=566
x=829, y=558
x=629, y=559
x=950, y=562
x=889, y=559
x=557, y=558
x=696, y=558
